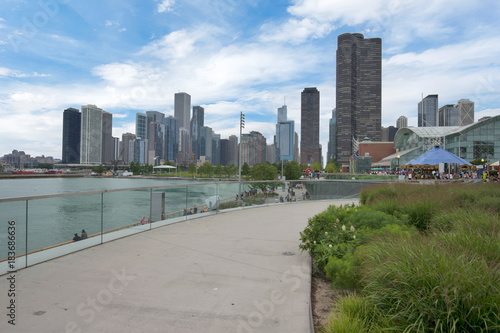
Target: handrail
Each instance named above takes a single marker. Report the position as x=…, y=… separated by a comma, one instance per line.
x=105, y=232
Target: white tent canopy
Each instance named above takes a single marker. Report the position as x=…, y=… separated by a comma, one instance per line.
x=164, y=167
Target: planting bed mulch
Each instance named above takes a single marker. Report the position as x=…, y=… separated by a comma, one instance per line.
x=323, y=298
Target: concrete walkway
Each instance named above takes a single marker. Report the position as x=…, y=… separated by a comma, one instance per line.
x=239, y=271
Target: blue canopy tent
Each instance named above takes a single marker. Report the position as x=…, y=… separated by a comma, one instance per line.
x=438, y=155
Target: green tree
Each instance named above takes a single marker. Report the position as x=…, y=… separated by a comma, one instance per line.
x=192, y=169
x=292, y=170
x=333, y=166
x=99, y=169
x=218, y=171
x=206, y=169
x=230, y=170
x=316, y=166
x=264, y=171
x=245, y=169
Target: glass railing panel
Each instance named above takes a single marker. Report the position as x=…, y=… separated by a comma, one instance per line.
x=202, y=199
x=53, y=224
x=127, y=212
x=12, y=236
x=175, y=202
x=227, y=192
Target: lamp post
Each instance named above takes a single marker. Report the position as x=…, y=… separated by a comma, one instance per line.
x=242, y=125
x=398, y=165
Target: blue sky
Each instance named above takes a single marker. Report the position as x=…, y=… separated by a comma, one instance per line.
x=129, y=56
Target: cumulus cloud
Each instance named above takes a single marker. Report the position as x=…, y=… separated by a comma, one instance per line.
x=166, y=6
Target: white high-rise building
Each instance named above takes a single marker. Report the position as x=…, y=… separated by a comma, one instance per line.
x=182, y=109
x=402, y=122
x=465, y=112
x=96, y=136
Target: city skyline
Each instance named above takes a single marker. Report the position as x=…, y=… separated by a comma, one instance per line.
x=230, y=57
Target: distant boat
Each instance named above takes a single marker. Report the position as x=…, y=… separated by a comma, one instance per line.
x=22, y=172
x=53, y=172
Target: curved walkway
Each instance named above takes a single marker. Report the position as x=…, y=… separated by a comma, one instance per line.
x=239, y=271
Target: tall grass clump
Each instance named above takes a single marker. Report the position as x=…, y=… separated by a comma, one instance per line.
x=427, y=285
x=443, y=278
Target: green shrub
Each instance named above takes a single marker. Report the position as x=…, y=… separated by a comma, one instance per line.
x=369, y=218
x=343, y=272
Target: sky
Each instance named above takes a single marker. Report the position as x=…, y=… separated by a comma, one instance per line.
x=231, y=56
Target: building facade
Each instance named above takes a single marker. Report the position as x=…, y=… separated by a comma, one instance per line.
x=233, y=152
x=72, y=122
x=310, y=151
x=96, y=138
x=197, y=123
x=428, y=111
x=402, y=122
x=358, y=92
x=125, y=155
x=182, y=109
x=332, y=136
x=141, y=125
x=172, y=139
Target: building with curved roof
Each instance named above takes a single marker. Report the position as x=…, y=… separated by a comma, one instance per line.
x=479, y=140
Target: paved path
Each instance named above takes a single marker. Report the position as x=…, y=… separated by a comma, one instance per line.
x=230, y=272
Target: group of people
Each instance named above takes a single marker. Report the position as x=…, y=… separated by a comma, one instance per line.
x=83, y=236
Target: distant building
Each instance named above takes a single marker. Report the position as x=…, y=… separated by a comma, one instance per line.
x=197, y=123
x=172, y=139
x=448, y=115
x=271, y=154
x=182, y=109
x=125, y=155
x=224, y=152
x=428, y=111
x=358, y=91
x=465, y=112
x=332, y=134
x=310, y=151
x=96, y=136
x=141, y=125
x=402, y=122
x=253, y=149
x=388, y=133
x=72, y=122
x=233, y=153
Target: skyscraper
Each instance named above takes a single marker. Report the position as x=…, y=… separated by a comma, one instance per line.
x=402, y=122
x=96, y=139
x=141, y=125
x=172, y=138
x=465, y=112
x=72, y=121
x=125, y=155
x=332, y=133
x=359, y=92
x=182, y=109
x=310, y=150
x=428, y=111
x=197, y=123
x=233, y=150
x=285, y=130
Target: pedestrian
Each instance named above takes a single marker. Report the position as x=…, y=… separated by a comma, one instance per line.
x=84, y=234
x=143, y=220
x=76, y=238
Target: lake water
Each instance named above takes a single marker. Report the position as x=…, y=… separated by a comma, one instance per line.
x=55, y=220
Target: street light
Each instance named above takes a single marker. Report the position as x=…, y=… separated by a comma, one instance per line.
x=398, y=164
x=242, y=125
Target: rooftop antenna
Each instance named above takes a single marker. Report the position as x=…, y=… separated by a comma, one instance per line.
x=284, y=100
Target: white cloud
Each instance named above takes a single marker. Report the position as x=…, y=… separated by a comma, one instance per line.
x=176, y=45
x=166, y=6
x=6, y=72
x=295, y=31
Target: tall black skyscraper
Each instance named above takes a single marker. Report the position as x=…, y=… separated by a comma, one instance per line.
x=310, y=150
x=72, y=119
x=359, y=92
x=197, y=123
